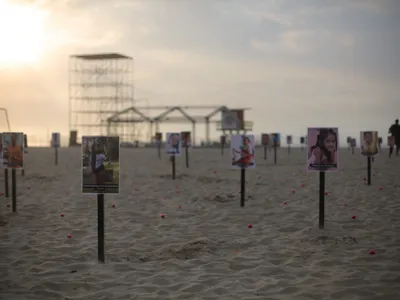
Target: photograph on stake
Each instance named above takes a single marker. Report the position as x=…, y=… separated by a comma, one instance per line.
x=186, y=139
x=55, y=140
x=1, y=149
x=158, y=138
x=100, y=165
x=353, y=143
x=243, y=154
x=265, y=139
x=173, y=143
x=369, y=143
x=323, y=145
x=25, y=143
x=276, y=139
x=232, y=119
x=13, y=150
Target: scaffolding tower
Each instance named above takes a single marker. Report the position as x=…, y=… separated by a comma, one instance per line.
x=100, y=85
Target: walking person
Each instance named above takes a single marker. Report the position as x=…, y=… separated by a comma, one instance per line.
x=394, y=131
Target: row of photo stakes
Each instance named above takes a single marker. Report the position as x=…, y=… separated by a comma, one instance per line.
x=100, y=154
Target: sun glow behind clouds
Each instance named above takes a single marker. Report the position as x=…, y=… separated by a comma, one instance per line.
x=22, y=34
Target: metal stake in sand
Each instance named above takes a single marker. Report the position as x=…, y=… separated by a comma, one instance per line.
x=100, y=227
x=222, y=143
x=265, y=152
x=173, y=166
x=288, y=142
x=369, y=170
x=264, y=142
x=56, y=156
x=242, y=185
x=158, y=139
x=14, y=189
x=186, y=140
x=302, y=141
x=55, y=142
x=187, y=156
x=321, y=200
x=6, y=187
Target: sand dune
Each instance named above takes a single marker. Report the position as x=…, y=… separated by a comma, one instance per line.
x=203, y=250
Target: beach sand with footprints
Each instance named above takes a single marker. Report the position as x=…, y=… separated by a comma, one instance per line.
x=203, y=248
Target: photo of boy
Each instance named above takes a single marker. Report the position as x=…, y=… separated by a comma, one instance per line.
x=100, y=165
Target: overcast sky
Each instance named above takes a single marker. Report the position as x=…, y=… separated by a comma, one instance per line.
x=296, y=63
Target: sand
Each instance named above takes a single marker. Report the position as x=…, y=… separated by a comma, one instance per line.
x=203, y=250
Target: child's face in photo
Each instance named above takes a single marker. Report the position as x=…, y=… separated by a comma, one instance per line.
x=174, y=140
x=265, y=139
x=330, y=143
x=368, y=138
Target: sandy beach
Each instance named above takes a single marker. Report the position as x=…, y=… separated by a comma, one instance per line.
x=203, y=248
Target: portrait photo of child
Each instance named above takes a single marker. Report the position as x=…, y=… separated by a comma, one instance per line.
x=173, y=143
x=322, y=154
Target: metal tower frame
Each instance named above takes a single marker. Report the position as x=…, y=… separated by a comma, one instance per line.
x=7, y=119
x=137, y=116
x=100, y=85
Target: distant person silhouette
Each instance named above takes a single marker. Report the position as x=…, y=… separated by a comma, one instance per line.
x=394, y=130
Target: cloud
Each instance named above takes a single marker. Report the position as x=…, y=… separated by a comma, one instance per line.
x=321, y=59
x=301, y=42
x=107, y=38
x=374, y=6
